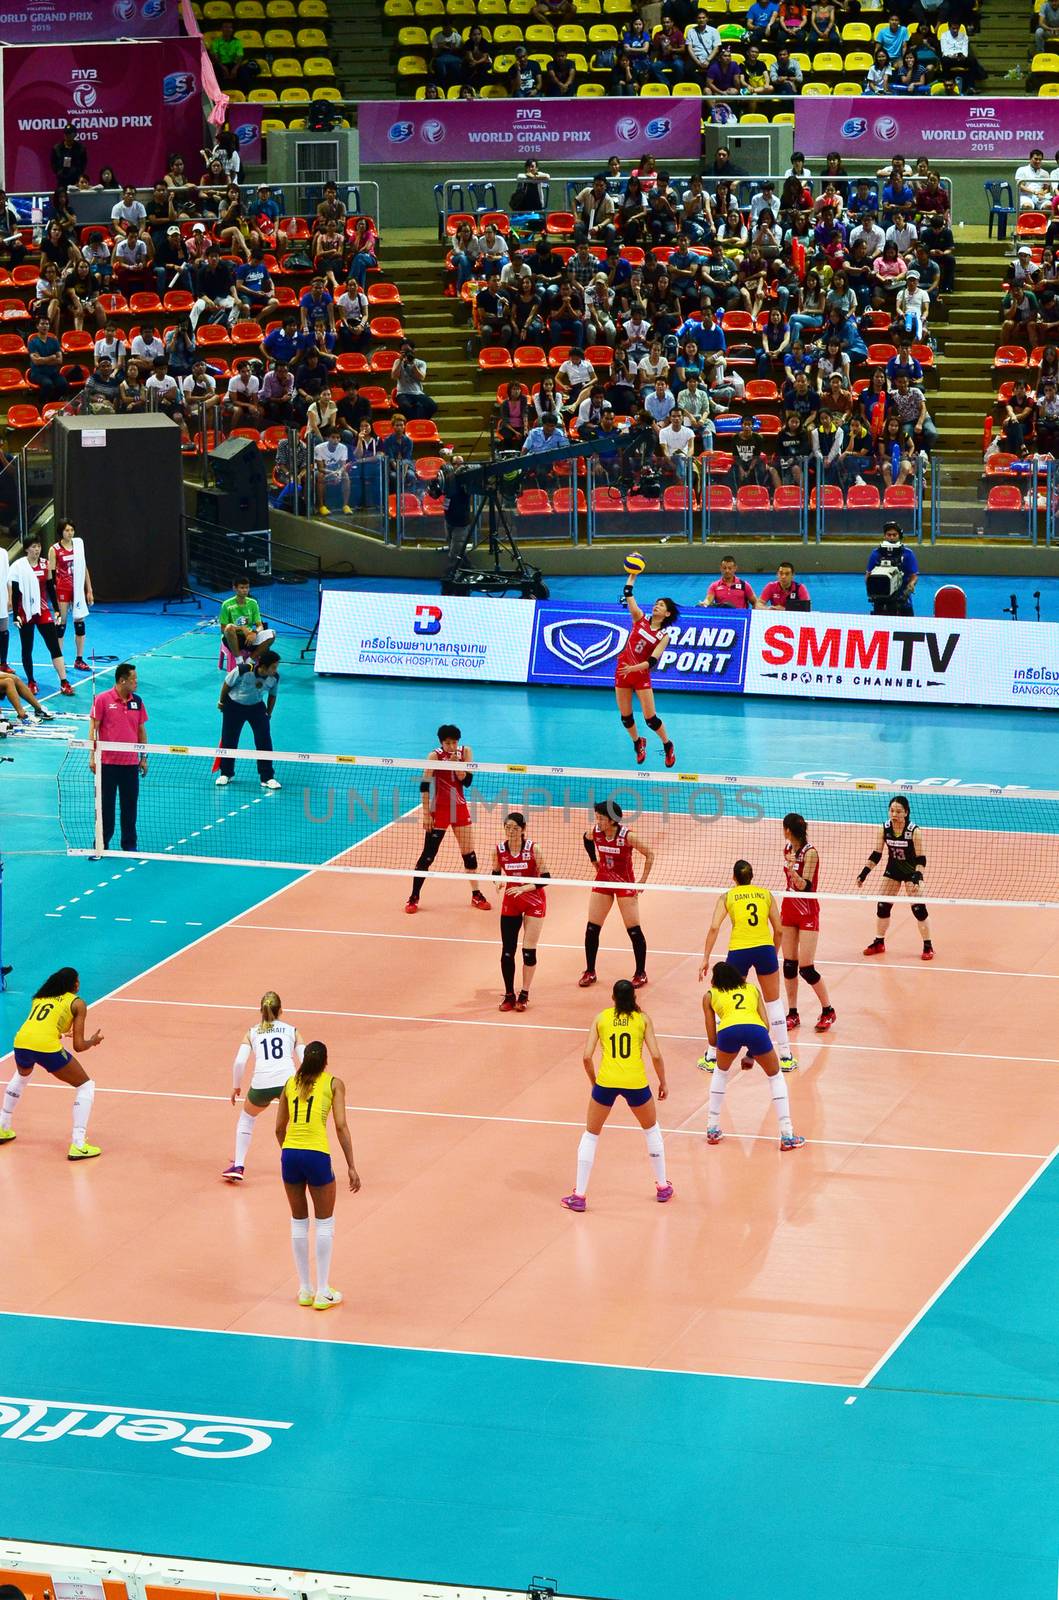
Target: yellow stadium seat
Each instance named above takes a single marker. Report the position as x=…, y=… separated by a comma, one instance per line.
x=430, y=8
x=800, y=58
x=603, y=33
x=295, y=95
x=578, y=60
x=590, y=91
x=398, y=8
x=250, y=37
x=319, y=67
x=272, y=125
x=786, y=118
x=753, y=118
x=503, y=63
x=938, y=88
x=816, y=88
x=492, y=8
x=493, y=91
x=543, y=61
x=217, y=11
x=1045, y=61
x=617, y=8
x=856, y=32
x=264, y=97
x=1048, y=90
x=540, y=33
x=249, y=10
x=767, y=59
x=279, y=39
x=655, y=89
x=286, y=67
x=827, y=61
x=850, y=89
x=737, y=8
x=521, y=8
x=237, y=95
x=507, y=33
x=858, y=61
x=312, y=39
x=571, y=33
x=587, y=8
x=687, y=88
x=296, y=124
x=465, y=33
x=327, y=91
x=412, y=67
x=460, y=8
x=279, y=10
x=413, y=39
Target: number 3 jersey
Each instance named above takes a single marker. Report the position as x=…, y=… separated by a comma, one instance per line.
x=749, y=910
x=273, y=1048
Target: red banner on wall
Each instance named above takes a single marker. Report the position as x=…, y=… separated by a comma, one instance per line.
x=132, y=104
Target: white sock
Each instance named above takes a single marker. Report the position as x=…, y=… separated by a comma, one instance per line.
x=586, y=1154
x=777, y=1015
x=244, y=1132
x=718, y=1084
x=299, y=1243
x=83, y=1110
x=656, y=1153
x=12, y=1095
x=781, y=1102
x=325, y=1244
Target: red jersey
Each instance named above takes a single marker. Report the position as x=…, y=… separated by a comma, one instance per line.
x=613, y=857
x=521, y=899
x=447, y=805
x=44, y=613
x=634, y=663
x=64, y=572
x=794, y=912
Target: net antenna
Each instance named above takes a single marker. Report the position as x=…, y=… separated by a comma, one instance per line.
x=364, y=815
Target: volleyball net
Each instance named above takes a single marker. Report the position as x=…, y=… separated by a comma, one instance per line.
x=364, y=814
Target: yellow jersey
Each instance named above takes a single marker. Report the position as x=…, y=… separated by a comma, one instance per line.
x=48, y=1020
x=749, y=910
x=308, y=1114
x=734, y=1006
x=621, y=1036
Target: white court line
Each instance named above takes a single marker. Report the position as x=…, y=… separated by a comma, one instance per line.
x=560, y=1122
x=551, y=1027
x=656, y=950
x=954, y=1274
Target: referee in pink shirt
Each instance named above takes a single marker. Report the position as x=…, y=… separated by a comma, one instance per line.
x=731, y=591
x=118, y=717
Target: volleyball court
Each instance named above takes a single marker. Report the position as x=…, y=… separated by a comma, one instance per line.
x=928, y=1109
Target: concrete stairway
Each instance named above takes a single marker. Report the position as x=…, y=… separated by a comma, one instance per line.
x=1004, y=45
x=361, y=50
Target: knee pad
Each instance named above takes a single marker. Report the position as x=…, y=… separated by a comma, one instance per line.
x=431, y=846
x=529, y=958
x=920, y=912
x=470, y=861
x=79, y=629
x=654, y=723
x=790, y=967
x=810, y=975
x=628, y=722
x=884, y=909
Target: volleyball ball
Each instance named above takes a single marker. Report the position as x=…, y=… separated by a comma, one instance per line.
x=635, y=563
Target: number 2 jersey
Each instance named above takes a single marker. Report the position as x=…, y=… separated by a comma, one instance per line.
x=273, y=1046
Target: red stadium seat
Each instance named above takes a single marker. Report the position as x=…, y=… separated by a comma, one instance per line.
x=718, y=498
x=73, y=342
x=737, y=322
x=600, y=355
x=455, y=221
x=116, y=304
x=499, y=219
x=716, y=462
x=375, y=395
x=607, y=498
x=386, y=328
x=23, y=277
x=271, y=437
x=410, y=506
x=247, y=333
x=13, y=311
x=767, y=423
x=899, y=497
x=788, y=497
x=421, y=430
x=762, y=389
x=175, y=300
x=563, y=498
x=950, y=600
x=677, y=497
x=879, y=354
x=642, y=503
x=559, y=222
x=211, y=333
x=296, y=228
x=351, y=361
x=750, y=497
x=832, y=498
x=999, y=464
x=1031, y=225
x=1003, y=497
x=24, y=416
x=531, y=357
x=144, y=300
x=382, y=361
x=923, y=354
x=493, y=357
x=557, y=355
x=862, y=497
x=1008, y=355
x=427, y=468
x=384, y=294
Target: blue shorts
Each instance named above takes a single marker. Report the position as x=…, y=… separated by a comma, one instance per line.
x=605, y=1095
x=748, y=1036
x=762, y=957
x=50, y=1060
x=307, y=1166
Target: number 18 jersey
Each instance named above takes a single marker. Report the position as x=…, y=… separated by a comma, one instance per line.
x=273, y=1047
x=621, y=1036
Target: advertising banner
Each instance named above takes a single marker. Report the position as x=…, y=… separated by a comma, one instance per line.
x=934, y=126
x=131, y=105
x=245, y=121
x=406, y=131
x=579, y=645
x=425, y=636
x=56, y=22
x=920, y=660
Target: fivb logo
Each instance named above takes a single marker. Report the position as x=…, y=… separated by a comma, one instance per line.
x=427, y=619
x=83, y=89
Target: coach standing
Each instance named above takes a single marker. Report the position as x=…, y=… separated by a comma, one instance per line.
x=248, y=695
x=118, y=717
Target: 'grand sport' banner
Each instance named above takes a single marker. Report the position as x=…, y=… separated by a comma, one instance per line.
x=73, y=21
x=406, y=131
x=933, y=126
x=132, y=104
x=581, y=644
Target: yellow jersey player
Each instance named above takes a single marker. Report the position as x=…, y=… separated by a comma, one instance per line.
x=57, y=1010
x=734, y=1022
x=308, y=1100
x=754, y=944
x=620, y=1033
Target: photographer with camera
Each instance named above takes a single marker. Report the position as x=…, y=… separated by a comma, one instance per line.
x=452, y=486
x=408, y=375
x=891, y=575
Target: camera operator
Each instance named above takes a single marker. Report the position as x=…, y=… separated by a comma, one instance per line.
x=408, y=376
x=891, y=575
x=452, y=487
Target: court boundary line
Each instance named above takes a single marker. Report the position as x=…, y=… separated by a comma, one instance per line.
x=823, y=1043
x=947, y=1283
x=564, y=1122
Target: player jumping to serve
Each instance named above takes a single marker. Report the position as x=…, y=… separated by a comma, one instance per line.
x=800, y=920
x=906, y=862
x=522, y=909
x=444, y=807
x=632, y=672
x=755, y=939
x=732, y=1010
x=610, y=846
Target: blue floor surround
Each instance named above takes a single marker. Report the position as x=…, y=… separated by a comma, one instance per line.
x=939, y=1479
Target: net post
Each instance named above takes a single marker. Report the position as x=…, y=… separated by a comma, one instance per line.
x=97, y=802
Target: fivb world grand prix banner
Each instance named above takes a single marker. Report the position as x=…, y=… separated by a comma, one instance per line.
x=70, y=21
x=400, y=132
x=935, y=126
x=130, y=104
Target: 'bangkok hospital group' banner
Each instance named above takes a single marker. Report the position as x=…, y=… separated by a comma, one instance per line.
x=934, y=126
x=131, y=104
x=401, y=132
x=70, y=21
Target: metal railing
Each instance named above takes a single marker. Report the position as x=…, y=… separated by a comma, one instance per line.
x=93, y=207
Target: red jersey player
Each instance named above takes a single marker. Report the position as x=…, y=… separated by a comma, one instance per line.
x=73, y=586
x=610, y=846
x=800, y=920
x=523, y=907
x=444, y=807
x=632, y=672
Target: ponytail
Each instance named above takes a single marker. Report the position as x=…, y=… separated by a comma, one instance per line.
x=314, y=1061
x=624, y=997
x=64, y=981
x=270, y=1010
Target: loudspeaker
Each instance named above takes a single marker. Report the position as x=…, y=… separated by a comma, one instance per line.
x=240, y=499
